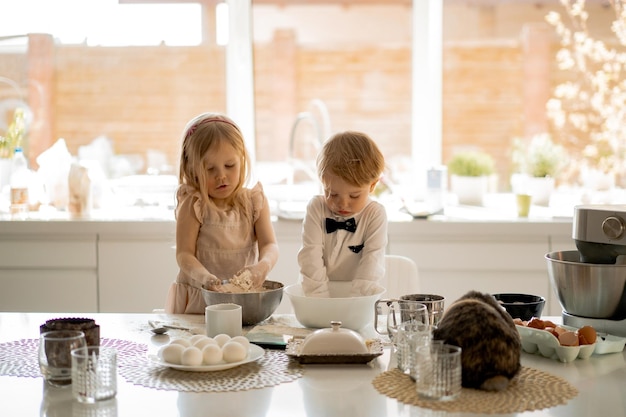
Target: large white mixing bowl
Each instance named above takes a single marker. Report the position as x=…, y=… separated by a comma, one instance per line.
x=354, y=312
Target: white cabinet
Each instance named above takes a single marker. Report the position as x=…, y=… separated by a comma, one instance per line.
x=454, y=258
x=135, y=270
x=48, y=273
x=287, y=270
x=128, y=266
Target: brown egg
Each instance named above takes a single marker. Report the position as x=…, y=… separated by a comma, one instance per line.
x=559, y=330
x=548, y=323
x=552, y=330
x=586, y=335
x=536, y=323
x=568, y=339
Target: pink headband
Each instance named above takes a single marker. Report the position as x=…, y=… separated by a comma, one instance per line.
x=193, y=128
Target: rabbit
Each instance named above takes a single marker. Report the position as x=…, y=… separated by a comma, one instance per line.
x=491, y=346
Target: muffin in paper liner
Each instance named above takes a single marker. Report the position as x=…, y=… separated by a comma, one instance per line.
x=86, y=325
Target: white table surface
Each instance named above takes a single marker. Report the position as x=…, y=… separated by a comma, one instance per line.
x=323, y=390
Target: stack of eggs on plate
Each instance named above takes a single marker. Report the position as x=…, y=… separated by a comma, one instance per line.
x=203, y=350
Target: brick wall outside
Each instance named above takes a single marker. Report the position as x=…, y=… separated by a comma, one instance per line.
x=141, y=97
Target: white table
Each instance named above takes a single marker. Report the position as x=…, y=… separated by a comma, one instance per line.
x=323, y=390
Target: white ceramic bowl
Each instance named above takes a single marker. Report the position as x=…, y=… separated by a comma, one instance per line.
x=353, y=312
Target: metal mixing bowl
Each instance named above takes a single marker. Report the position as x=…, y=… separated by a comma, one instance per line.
x=255, y=306
x=587, y=290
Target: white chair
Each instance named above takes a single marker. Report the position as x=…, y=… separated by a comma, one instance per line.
x=401, y=276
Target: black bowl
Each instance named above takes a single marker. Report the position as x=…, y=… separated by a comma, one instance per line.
x=522, y=306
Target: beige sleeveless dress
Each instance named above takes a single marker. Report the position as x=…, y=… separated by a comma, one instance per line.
x=226, y=243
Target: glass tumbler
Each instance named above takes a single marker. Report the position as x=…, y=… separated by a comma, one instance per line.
x=94, y=373
x=438, y=371
x=55, y=360
x=410, y=336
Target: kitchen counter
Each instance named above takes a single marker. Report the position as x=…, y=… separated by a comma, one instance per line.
x=322, y=390
x=124, y=261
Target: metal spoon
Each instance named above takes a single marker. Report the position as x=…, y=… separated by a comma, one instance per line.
x=163, y=328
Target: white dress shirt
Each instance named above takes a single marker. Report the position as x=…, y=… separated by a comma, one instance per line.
x=342, y=255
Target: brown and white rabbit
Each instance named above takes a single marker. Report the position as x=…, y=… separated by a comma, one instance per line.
x=491, y=346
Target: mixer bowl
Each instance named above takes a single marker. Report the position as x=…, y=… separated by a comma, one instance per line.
x=587, y=290
x=255, y=306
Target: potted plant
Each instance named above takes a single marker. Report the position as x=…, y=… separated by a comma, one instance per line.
x=537, y=163
x=470, y=172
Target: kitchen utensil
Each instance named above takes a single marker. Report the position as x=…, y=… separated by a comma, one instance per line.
x=334, y=345
x=434, y=304
x=522, y=306
x=590, y=283
x=333, y=340
x=255, y=306
x=223, y=318
x=317, y=312
x=161, y=328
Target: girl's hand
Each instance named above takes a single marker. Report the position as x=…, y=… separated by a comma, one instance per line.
x=211, y=282
x=258, y=272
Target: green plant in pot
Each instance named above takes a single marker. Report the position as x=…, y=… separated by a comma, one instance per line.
x=469, y=176
x=539, y=157
x=539, y=161
x=471, y=164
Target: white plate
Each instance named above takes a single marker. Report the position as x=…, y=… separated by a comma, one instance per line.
x=254, y=353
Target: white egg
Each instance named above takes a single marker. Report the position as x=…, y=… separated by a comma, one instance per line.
x=242, y=340
x=201, y=343
x=234, y=352
x=193, y=339
x=172, y=353
x=211, y=354
x=182, y=342
x=221, y=339
x=192, y=356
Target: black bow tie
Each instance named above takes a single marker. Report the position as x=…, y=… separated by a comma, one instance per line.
x=332, y=225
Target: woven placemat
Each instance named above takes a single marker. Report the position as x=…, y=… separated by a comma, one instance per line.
x=20, y=357
x=530, y=390
x=272, y=369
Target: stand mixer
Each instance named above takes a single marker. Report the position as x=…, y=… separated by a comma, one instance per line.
x=591, y=283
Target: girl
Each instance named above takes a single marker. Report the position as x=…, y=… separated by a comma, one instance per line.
x=344, y=233
x=222, y=228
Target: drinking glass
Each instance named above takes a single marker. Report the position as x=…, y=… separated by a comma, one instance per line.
x=438, y=371
x=404, y=311
x=94, y=373
x=410, y=336
x=55, y=360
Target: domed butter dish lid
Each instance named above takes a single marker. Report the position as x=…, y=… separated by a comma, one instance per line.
x=333, y=340
x=334, y=345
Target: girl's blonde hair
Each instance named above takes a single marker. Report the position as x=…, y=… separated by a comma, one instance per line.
x=202, y=134
x=353, y=156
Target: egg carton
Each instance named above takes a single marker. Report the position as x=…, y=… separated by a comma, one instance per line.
x=544, y=343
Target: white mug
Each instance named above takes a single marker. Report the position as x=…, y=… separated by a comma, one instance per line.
x=223, y=318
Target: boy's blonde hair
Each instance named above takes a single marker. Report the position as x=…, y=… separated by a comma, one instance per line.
x=202, y=134
x=352, y=156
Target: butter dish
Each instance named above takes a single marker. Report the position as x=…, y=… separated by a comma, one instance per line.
x=334, y=346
